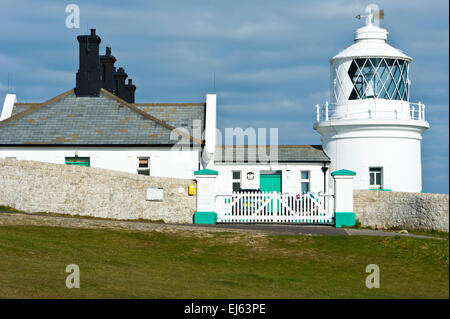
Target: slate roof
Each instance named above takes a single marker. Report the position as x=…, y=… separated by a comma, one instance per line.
x=285, y=154
x=104, y=120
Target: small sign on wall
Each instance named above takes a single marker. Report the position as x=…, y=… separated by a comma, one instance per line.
x=155, y=194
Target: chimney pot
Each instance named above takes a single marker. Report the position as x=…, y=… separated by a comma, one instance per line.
x=129, y=90
x=88, y=78
x=107, y=67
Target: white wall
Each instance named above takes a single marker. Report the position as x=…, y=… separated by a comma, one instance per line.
x=290, y=182
x=210, y=125
x=395, y=148
x=163, y=161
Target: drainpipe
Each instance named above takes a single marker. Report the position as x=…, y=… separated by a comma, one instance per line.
x=324, y=170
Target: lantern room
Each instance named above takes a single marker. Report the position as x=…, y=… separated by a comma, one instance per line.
x=370, y=79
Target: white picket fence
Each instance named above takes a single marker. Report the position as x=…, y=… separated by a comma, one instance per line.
x=275, y=208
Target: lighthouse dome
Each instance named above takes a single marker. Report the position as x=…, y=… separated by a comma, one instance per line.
x=370, y=41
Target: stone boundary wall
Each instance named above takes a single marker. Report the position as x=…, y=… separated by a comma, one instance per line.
x=381, y=209
x=43, y=187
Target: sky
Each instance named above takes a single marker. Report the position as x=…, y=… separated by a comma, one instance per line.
x=267, y=61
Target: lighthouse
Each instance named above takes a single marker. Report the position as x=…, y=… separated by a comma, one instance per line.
x=369, y=126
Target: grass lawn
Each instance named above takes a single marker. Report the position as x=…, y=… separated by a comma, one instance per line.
x=125, y=264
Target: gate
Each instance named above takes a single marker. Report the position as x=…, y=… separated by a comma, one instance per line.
x=275, y=208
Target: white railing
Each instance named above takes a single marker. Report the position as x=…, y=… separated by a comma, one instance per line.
x=251, y=207
x=371, y=109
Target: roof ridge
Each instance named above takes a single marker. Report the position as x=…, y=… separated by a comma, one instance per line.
x=148, y=116
x=25, y=104
x=36, y=106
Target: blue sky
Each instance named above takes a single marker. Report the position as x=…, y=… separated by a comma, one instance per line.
x=270, y=58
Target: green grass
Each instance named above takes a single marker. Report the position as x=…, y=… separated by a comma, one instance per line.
x=432, y=233
x=8, y=209
x=125, y=264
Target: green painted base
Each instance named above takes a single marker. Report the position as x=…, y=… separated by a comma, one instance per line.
x=344, y=219
x=205, y=217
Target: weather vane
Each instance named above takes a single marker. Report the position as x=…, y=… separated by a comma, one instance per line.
x=372, y=15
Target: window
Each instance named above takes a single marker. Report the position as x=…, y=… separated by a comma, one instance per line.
x=379, y=78
x=78, y=161
x=236, y=175
x=143, y=166
x=304, y=180
x=375, y=177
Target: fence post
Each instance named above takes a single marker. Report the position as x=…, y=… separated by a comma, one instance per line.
x=343, y=198
x=419, y=109
x=206, y=192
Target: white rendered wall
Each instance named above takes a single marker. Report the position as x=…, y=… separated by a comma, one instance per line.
x=163, y=161
x=290, y=183
x=343, y=195
x=357, y=147
x=210, y=125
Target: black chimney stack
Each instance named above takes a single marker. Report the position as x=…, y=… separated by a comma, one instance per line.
x=119, y=83
x=107, y=68
x=88, y=81
x=129, y=91
x=98, y=72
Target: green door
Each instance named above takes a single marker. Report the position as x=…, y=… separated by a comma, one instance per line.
x=270, y=182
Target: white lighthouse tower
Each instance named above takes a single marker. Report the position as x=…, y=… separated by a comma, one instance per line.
x=370, y=126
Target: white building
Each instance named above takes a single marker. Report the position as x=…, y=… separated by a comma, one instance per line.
x=369, y=127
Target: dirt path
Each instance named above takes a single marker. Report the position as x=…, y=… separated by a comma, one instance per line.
x=18, y=218
x=21, y=218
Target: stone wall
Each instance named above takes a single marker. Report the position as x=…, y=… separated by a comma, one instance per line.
x=381, y=209
x=42, y=187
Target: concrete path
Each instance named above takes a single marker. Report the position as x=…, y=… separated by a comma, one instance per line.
x=21, y=218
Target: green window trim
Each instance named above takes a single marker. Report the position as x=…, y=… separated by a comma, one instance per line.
x=78, y=161
x=206, y=172
x=343, y=172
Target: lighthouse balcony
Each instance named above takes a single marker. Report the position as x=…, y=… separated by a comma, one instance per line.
x=379, y=109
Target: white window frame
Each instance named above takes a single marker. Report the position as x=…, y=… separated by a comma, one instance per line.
x=305, y=180
x=143, y=170
x=235, y=180
x=380, y=172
